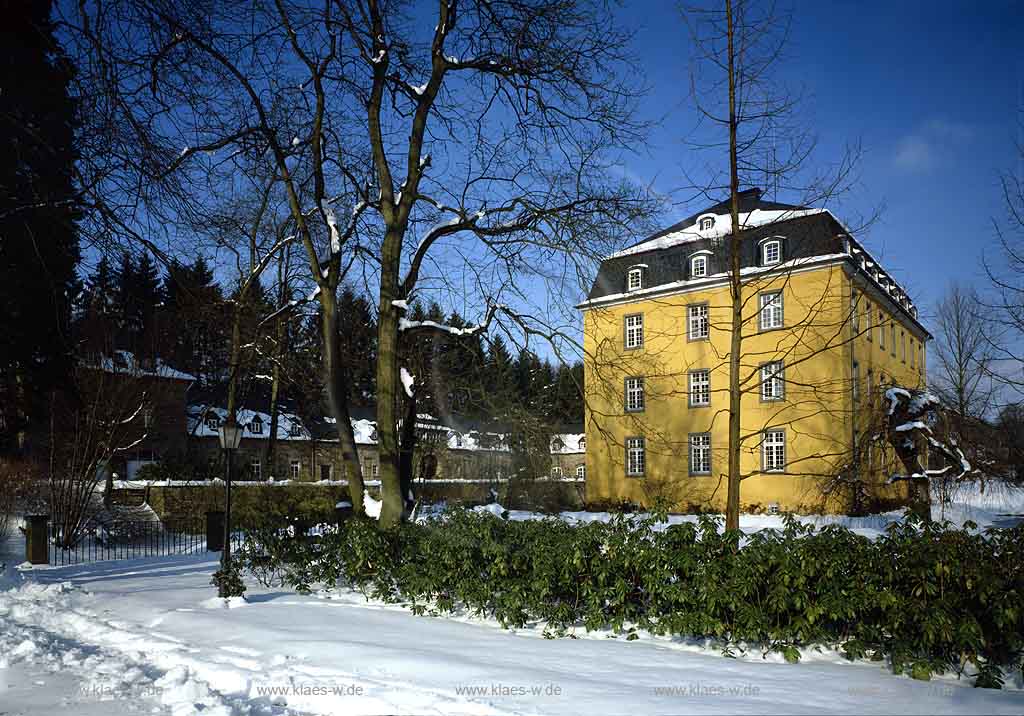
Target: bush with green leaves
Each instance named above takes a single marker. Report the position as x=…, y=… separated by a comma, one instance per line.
x=927, y=597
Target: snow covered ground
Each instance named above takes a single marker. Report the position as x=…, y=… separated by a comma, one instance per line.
x=999, y=505
x=147, y=636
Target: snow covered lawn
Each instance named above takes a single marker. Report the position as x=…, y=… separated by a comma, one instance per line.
x=113, y=637
x=148, y=636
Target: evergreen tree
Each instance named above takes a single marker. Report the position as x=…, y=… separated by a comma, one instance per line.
x=38, y=209
x=95, y=321
x=194, y=335
x=357, y=331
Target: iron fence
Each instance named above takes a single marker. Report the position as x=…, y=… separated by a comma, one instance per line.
x=130, y=540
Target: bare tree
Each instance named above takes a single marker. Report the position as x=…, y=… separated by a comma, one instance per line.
x=962, y=376
x=389, y=148
x=103, y=415
x=185, y=99
x=736, y=89
x=1006, y=341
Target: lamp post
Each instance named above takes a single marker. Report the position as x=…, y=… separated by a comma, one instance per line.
x=230, y=437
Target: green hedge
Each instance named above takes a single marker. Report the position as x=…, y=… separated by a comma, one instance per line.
x=929, y=598
x=251, y=503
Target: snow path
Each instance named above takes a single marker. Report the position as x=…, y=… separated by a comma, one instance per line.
x=153, y=626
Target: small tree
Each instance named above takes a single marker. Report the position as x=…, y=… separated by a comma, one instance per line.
x=961, y=376
x=102, y=417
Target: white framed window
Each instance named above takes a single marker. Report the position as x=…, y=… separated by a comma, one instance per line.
x=697, y=321
x=583, y=443
x=700, y=388
x=635, y=330
x=772, y=381
x=771, y=310
x=771, y=252
x=773, y=450
x=698, y=267
x=256, y=469
x=634, y=279
x=556, y=472
x=581, y=472
x=256, y=426
x=707, y=222
x=634, y=395
x=700, y=453
x=635, y=456
x=295, y=469
x=856, y=381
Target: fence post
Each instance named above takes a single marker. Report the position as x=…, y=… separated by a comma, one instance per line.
x=37, y=539
x=214, y=531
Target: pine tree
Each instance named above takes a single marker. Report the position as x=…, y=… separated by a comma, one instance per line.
x=38, y=210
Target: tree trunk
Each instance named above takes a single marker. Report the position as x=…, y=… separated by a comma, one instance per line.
x=281, y=334
x=275, y=384
x=408, y=448
x=235, y=360
x=732, y=506
x=393, y=507
x=336, y=385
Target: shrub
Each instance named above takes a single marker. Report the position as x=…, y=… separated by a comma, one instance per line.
x=926, y=596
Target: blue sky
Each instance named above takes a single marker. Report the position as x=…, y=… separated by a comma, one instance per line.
x=933, y=91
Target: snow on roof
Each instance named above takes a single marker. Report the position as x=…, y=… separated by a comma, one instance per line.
x=568, y=444
x=721, y=228
x=710, y=279
x=205, y=421
x=475, y=440
x=124, y=362
x=365, y=432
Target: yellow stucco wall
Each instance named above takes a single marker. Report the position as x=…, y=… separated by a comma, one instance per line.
x=817, y=345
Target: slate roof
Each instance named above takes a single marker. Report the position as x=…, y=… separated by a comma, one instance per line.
x=805, y=236
x=806, y=233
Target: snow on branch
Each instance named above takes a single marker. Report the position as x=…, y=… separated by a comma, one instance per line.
x=408, y=326
x=911, y=415
x=408, y=381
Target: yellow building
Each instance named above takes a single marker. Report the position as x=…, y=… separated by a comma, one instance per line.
x=824, y=328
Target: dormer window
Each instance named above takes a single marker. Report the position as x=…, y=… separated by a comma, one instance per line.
x=256, y=426
x=635, y=279
x=583, y=443
x=706, y=222
x=699, y=266
x=212, y=421
x=295, y=431
x=771, y=252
